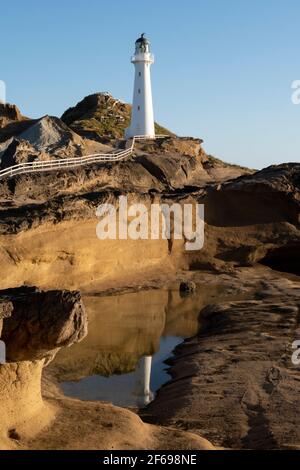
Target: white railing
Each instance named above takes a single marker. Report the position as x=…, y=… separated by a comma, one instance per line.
x=48, y=165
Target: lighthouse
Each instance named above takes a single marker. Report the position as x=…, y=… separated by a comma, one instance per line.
x=142, y=120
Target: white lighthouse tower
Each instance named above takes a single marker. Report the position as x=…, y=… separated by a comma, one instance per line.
x=142, y=120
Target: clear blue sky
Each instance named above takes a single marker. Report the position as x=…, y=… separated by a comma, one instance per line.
x=223, y=69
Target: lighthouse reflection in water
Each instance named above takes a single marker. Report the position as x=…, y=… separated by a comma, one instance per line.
x=134, y=389
x=130, y=336
x=143, y=379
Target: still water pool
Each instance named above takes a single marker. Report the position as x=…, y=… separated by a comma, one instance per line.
x=121, y=360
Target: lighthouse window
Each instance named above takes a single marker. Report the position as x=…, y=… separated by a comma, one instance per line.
x=139, y=90
x=139, y=108
x=140, y=74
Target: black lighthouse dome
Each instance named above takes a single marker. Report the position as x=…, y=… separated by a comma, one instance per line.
x=142, y=44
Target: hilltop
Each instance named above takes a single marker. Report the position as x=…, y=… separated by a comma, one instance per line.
x=102, y=117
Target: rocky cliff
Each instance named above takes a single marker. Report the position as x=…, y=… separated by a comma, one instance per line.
x=248, y=219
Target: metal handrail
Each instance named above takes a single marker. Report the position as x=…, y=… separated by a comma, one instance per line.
x=47, y=165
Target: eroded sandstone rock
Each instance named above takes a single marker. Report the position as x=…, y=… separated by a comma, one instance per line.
x=248, y=220
x=36, y=325
x=9, y=113
x=41, y=323
x=255, y=218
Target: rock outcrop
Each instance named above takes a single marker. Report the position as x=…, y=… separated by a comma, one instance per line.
x=35, y=325
x=165, y=166
x=9, y=113
x=255, y=218
x=12, y=122
x=45, y=139
x=14, y=151
x=49, y=134
x=41, y=323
